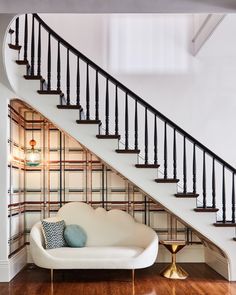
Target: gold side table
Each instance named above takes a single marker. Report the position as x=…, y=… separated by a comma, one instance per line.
x=174, y=271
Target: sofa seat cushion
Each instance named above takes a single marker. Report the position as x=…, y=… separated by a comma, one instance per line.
x=113, y=252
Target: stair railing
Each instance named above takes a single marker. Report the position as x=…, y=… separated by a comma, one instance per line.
x=122, y=114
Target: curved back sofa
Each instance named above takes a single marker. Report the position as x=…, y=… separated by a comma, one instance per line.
x=114, y=241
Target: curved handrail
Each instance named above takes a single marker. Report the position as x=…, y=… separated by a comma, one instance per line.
x=134, y=95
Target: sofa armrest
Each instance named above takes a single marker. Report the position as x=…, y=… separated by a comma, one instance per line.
x=37, y=244
x=149, y=254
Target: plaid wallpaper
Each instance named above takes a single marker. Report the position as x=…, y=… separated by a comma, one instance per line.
x=69, y=173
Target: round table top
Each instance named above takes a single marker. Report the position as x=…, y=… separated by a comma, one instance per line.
x=171, y=242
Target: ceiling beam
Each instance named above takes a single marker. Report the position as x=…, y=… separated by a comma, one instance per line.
x=205, y=31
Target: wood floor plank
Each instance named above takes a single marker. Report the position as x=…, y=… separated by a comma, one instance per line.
x=202, y=280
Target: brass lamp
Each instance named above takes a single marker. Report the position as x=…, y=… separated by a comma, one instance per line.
x=32, y=157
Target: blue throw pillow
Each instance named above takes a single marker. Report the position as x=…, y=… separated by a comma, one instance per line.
x=75, y=235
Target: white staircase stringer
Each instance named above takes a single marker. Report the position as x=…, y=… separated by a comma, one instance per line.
x=122, y=163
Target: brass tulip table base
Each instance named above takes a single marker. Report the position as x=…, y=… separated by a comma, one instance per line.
x=174, y=271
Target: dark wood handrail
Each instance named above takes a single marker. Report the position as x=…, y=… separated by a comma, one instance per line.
x=133, y=95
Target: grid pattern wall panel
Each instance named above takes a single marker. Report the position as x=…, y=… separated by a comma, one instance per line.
x=16, y=172
x=68, y=173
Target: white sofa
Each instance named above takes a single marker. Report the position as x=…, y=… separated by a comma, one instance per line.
x=114, y=241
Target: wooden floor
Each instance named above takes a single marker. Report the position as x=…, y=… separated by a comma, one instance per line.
x=36, y=281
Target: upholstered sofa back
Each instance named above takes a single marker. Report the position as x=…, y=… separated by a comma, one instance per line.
x=106, y=228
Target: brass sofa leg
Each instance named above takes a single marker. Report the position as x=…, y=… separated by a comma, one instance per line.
x=133, y=275
x=52, y=282
x=51, y=275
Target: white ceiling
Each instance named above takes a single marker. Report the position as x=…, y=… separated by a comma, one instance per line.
x=118, y=6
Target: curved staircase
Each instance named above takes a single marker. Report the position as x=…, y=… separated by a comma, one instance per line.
x=124, y=131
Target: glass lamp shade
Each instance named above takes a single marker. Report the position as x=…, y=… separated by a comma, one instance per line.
x=32, y=157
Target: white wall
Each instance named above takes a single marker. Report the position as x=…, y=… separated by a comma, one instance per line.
x=198, y=93
x=4, y=185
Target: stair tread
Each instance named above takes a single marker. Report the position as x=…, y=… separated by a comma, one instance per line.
x=108, y=136
x=187, y=195
x=207, y=209
x=49, y=91
x=127, y=151
x=15, y=47
x=166, y=180
x=69, y=107
x=88, y=122
x=33, y=77
x=22, y=62
x=225, y=224
x=147, y=165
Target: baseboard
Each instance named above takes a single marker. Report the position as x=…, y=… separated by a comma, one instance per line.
x=4, y=271
x=190, y=253
x=17, y=262
x=217, y=262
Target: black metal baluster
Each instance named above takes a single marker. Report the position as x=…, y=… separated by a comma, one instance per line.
x=32, y=49
x=213, y=184
x=58, y=66
x=39, y=51
x=87, y=94
x=204, y=180
x=107, y=108
x=194, y=168
x=68, y=78
x=146, y=137
x=136, y=125
x=126, y=122
x=49, y=63
x=165, y=150
x=10, y=31
x=17, y=32
x=233, y=199
x=116, y=112
x=184, y=167
x=174, y=155
x=97, y=97
x=223, y=196
x=26, y=38
x=155, y=140
x=78, y=83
